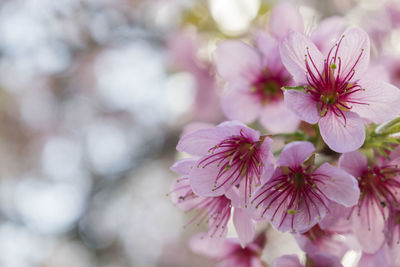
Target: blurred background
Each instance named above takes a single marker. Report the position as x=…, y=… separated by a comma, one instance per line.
x=94, y=95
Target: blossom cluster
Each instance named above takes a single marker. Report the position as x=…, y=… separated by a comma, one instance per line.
x=310, y=146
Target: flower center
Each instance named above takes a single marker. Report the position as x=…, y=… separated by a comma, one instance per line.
x=332, y=88
x=294, y=189
x=267, y=86
x=237, y=158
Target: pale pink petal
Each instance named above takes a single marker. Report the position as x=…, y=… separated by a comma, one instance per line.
x=234, y=196
x=199, y=142
x=270, y=52
x=294, y=50
x=354, y=163
x=375, y=70
x=244, y=226
x=295, y=153
x=367, y=226
x=181, y=194
x=327, y=32
x=336, y=220
x=354, y=52
x=203, y=180
x=183, y=166
x=287, y=261
x=338, y=185
x=241, y=105
x=248, y=132
x=266, y=44
x=284, y=19
x=339, y=136
x=303, y=105
x=277, y=118
x=237, y=62
x=380, y=101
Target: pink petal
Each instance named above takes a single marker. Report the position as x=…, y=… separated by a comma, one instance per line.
x=183, y=166
x=199, y=142
x=302, y=105
x=270, y=52
x=354, y=44
x=338, y=185
x=277, y=118
x=266, y=45
x=368, y=226
x=202, y=180
x=285, y=18
x=287, y=261
x=234, y=196
x=381, y=101
x=295, y=153
x=354, y=163
x=293, y=50
x=237, y=62
x=336, y=220
x=244, y=226
x=327, y=32
x=180, y=188
x=340, y=137
x=241, y=105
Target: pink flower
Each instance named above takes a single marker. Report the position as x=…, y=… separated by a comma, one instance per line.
x=335, y=93
x=317, y=260
x=255, y=78
x=214, y=210
x=379, y=186
x=230, y=154
x=231, y=253
x=297, y=196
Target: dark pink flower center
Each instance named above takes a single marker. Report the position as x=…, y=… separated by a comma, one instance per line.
x=297, y=185
x=237, y=158
x=332, y=89
x=268, y=86
x=379, y=187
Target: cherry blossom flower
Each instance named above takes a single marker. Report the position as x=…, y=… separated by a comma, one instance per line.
x=230, y=154
x=231, y=253
x=334, y=90
x=297, y=195
x=379, y=186
x=214, y=210
x=317, y=260
x=255, y=77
